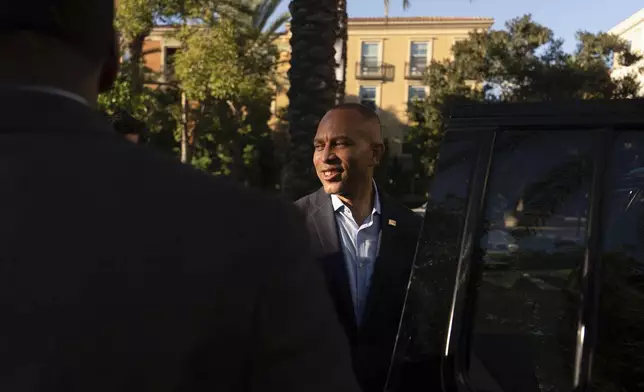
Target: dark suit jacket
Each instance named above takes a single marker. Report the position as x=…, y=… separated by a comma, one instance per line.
x=372, y=343
x=123, y=270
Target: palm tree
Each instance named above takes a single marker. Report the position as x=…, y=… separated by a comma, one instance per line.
x=341, y=45
x=312, y=89
x=261, y=20
x=317, y=26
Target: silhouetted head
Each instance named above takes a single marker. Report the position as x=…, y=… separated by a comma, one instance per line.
x=68, y=44
x=348, y=147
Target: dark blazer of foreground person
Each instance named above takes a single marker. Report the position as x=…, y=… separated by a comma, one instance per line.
x=123, y=270
x=373, y=341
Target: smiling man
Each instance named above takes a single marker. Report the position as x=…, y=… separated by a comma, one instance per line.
x=364, y=240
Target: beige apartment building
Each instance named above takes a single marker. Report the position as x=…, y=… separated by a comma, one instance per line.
x=632, y=30
x=386, y=61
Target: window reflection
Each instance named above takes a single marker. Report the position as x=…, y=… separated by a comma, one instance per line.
x=619, y=356
x=523, y=336
x=416, y=362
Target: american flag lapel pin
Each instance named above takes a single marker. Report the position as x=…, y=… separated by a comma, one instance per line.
x=392, y=222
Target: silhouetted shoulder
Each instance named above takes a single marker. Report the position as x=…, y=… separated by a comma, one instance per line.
x=215, y=211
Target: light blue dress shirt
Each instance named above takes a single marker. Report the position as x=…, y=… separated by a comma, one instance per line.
x=360, y=245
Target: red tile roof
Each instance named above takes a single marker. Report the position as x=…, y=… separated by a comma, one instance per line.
x=424, y=19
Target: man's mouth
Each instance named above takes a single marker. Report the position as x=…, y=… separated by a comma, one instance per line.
x=331, y=174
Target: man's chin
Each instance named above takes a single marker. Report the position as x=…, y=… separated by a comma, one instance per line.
x=332, y=188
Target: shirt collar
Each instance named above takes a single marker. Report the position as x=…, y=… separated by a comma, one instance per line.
x=55, y=91
x=338, y=204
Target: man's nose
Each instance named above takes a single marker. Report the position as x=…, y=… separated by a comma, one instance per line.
x=328, y=154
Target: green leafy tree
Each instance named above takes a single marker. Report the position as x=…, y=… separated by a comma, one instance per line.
x=122, y=98
x=225, y=68
x=523, y=62
x=134, y=21
x=214, y=107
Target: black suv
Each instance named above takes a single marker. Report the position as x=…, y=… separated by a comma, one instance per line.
x=529, y=272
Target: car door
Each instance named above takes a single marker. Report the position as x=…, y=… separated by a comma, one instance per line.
x=528, y=273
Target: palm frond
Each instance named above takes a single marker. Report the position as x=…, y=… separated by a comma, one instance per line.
x=405, y=5
x=277, y=23
x=263, y=13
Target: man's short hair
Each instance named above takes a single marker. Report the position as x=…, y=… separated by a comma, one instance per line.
x=85, y=25
x=366, y=112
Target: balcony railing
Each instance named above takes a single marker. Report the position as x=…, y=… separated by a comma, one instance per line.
x=371, y=71
x=415, y=71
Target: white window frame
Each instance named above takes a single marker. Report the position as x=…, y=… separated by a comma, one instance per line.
x=409, y=86
x=379, y=42
x=378, y=95
x=426, y=41
x=430, y=50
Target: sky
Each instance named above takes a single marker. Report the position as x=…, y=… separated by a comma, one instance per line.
x=564, y=17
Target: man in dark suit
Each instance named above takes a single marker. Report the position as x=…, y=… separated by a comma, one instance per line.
x=364, y=240
x=216, y=292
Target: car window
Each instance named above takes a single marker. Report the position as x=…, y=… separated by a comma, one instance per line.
x=526, y=299
x=619, y=356
x=533, y=242
x=416, y=361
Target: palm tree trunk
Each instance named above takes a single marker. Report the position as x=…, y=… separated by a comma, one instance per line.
x=341, y=48
x=312, y=86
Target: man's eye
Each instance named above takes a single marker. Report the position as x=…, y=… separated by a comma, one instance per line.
x=318, y=147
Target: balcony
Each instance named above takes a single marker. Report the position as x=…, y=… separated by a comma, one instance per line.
x=414, y=71
x=369, y=71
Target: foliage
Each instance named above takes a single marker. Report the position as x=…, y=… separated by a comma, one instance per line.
x=226, y=71
x=523, y=62
x=120, y=97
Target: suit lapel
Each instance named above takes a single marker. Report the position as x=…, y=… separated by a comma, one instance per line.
x=386, y=264
x=331, y=255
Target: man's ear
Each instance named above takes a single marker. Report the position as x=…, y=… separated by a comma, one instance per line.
x=378, y=151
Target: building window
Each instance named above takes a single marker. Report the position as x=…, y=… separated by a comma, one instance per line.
x=370, y=58
x=416, y=93
x=418, y=58
x=368, y=97
x=170, y=55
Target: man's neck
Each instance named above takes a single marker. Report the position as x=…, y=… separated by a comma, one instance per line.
x=360, y=203
x=40, y=61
